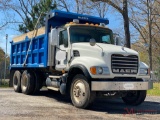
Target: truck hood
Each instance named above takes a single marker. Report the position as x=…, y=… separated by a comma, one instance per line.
x=87, y=55
x=107, y=49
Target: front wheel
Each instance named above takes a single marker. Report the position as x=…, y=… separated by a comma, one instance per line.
x=134, y=97
x=80, y=92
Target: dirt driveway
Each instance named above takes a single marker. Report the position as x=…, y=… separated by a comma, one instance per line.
x=53, y=106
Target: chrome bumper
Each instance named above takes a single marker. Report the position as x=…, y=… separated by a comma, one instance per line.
x=118, y=86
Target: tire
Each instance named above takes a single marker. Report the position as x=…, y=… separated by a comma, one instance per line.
x=135, y=97
x=80, y=92
x=38, y=82
x=17, y=81
x=27, y=82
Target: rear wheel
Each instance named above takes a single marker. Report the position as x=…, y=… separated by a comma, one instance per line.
x=38, y=82
x=17, y=81
x=27, y=82
x=80, y=92
x=135, y=97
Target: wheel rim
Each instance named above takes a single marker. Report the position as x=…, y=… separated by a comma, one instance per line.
x=24, y=82
x=79, y=92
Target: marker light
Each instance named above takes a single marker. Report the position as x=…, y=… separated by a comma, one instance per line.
x=76, y=21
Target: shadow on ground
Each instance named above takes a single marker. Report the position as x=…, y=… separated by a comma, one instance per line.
x=109, y=106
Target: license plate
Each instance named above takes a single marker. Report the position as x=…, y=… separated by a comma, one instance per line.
x=128, y=86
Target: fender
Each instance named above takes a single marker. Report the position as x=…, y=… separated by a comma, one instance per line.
x=81, y=67
x=70, y=77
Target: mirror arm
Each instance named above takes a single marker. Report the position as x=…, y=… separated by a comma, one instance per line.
x=102, y=49
x=60, y=49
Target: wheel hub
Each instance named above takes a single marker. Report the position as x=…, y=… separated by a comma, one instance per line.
x=79, y=91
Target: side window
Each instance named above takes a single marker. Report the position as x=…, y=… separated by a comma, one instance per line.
x=63, y=38
x=106, y=39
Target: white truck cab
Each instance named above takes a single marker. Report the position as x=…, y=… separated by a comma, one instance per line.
x=89, y=51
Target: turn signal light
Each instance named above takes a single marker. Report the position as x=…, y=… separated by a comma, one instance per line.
x=93, y=70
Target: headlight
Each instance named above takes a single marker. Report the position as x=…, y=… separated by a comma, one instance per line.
x=143, y=71
x=99, y=70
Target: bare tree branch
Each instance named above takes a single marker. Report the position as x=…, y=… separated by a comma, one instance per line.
x=112, y=4
x=5, y=24
x=64, y=5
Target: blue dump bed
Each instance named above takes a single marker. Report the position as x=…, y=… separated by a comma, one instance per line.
x=38, y=52
x=37, y=55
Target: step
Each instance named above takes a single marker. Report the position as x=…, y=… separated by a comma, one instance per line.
x=51, y=76
x=53, y=88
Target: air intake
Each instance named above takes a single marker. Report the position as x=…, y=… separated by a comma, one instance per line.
x=76, y=53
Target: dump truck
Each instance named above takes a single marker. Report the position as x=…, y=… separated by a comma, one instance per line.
x=79, y=56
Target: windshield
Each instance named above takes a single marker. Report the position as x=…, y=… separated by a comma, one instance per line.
x=84, y=34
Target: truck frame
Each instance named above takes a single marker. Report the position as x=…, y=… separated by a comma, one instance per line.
x=77, y=55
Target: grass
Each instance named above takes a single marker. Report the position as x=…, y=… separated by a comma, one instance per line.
x=4, y=83
x=4, y=86
x=155, y=91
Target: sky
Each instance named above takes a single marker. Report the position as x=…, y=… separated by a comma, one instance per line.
x=114, y=23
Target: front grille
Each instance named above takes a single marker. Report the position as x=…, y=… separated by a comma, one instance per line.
x=121, y=64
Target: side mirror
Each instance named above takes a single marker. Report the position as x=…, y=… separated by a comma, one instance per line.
x=118, y=41
x=92, y=42
x=60, y=55
x=54, y=37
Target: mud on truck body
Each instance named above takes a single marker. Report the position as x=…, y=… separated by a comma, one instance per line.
x=76, y=54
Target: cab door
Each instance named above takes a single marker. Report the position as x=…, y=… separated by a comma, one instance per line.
x=63, y=50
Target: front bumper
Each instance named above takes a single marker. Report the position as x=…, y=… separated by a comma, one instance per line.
x=120, y=86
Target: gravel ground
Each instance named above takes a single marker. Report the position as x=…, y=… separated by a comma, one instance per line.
x=52, y=105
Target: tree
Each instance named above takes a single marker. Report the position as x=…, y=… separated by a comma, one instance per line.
x=101, y=8
x=25, y=12
x=2, y=58
x=83, y=7
x=124, y=11
x=2, y=26
x=64, y=5
x=145, y=20
x=157, y=72
x=39, y=9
